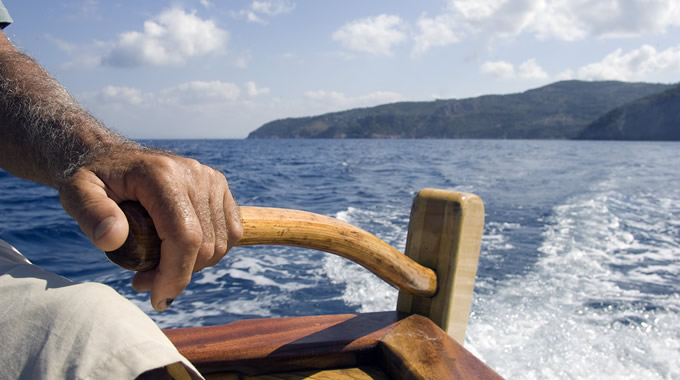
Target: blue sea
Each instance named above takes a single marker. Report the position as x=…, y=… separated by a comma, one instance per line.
x=579, y=271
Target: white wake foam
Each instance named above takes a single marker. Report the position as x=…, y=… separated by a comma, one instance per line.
x=362, y=289
x=595, y=306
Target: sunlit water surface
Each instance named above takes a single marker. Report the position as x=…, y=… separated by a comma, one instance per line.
x=578, y=275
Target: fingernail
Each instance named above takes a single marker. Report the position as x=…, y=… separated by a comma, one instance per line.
x=103, y=227
x=164, y=305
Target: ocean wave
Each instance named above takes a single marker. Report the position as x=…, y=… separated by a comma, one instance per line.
x=600, y=300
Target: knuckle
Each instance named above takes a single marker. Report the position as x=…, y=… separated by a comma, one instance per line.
x=202, y=263
x=160, y=164
x=219, y=177
x=235, y=233
x=206, y=252
x=234, y=227
x=192, y=165
x=221, y=247
x=158, y=170
x=191, y=238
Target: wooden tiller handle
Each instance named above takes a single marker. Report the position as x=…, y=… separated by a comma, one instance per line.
x=275, y=226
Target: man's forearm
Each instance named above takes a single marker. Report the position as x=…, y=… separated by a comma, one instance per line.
x=47, y=137
x=44, y=133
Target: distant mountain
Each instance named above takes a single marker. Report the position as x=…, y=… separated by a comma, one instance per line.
x=655, y=117
x=557, y=111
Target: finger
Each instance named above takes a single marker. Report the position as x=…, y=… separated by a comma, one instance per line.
x=172, y=276
x=219, y=216
x=233, y=219
x=219, y=224
x=143, y=281
x=85, y=198
x=181, y=236
x=206, y=252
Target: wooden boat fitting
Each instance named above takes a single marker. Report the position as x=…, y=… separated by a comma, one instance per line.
x=422, y=339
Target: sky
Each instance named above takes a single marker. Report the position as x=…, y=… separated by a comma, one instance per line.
x=221, y=69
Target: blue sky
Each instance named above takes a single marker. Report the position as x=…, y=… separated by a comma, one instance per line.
x=220, y=69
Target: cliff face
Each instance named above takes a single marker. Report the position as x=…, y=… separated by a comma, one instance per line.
x=561, y=110
x=655, y=117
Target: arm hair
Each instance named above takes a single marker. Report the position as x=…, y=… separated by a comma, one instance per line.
x=45, y=135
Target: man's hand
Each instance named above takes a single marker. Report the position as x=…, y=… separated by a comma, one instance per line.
x=47, y=137
x=192, y=208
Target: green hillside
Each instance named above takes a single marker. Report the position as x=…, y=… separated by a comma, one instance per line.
x=655, y=117
x=557, y=111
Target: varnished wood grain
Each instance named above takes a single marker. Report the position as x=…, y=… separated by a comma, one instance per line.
x=359, y=373
x=263, y=226
x=417, y=349
x=404, y=347
x=259, y=346
x=142, y=249
x=445, y=232
x=444, y=235
x=273, y=226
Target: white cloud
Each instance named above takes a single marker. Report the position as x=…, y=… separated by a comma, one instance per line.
x=188, y=110
x=500, y=69
x=437, y=31
x=253, y=91
x=272, y=7
x=243, y=59
x=260, y=8
x=634, y=65
x=83, y=57
x=528, y=69
x=565, y=75
x=186, y=95
x=567, y=20
x=171, y=38
x=475, y=10
x=464, y=18
x=212, y=109
x=576, y=19
x=563, y=21
x=493, y=18
x=116, y=95
x=83, y=61
x=207, y=3
x=374, y=35
x=201, y=93
x=513, y=17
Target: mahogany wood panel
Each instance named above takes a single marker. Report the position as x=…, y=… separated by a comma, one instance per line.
x=406, y=347
x=358, y=373
x=418, y=349
x=284, y=344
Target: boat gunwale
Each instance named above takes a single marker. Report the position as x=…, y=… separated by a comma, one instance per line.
x=403, y=346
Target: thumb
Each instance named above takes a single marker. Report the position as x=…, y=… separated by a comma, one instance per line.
x=84, y=197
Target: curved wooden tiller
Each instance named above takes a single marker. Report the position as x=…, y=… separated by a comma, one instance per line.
x=435, y=280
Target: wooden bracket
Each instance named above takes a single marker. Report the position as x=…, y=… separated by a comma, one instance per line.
x=445, y=234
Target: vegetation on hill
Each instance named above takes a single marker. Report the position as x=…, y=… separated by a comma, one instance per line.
x=655, y=117
x=560, y=110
